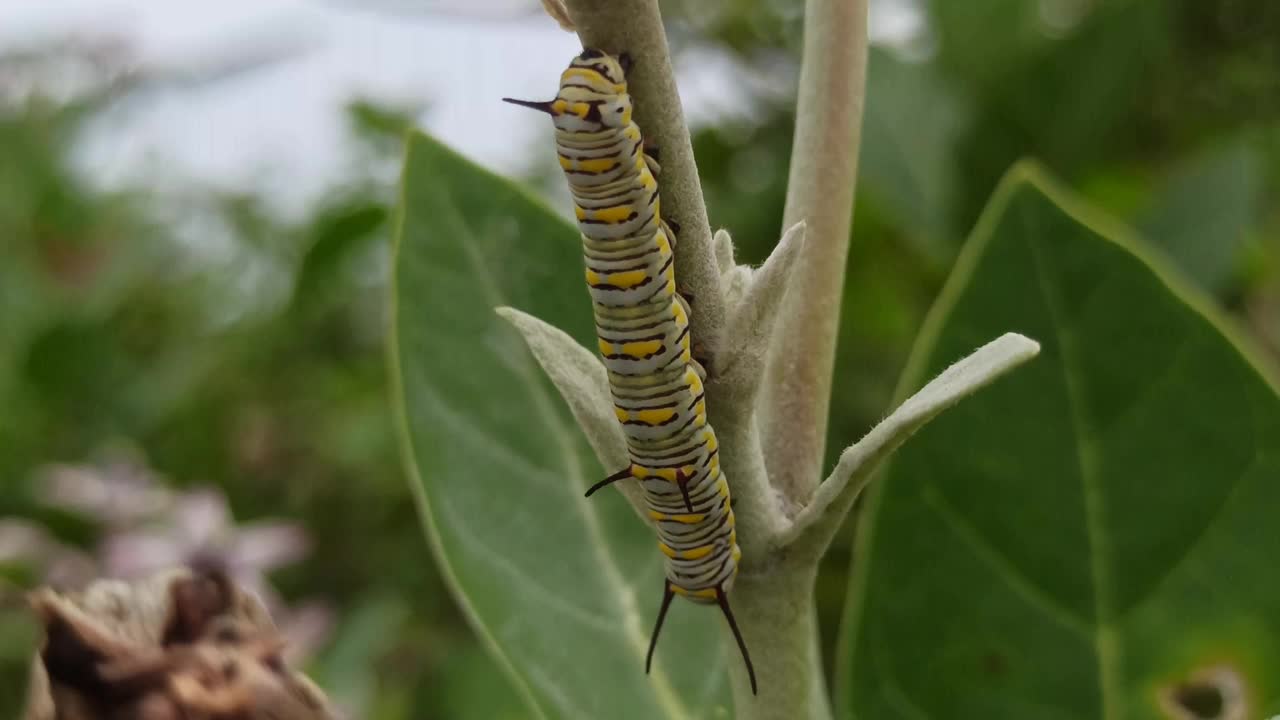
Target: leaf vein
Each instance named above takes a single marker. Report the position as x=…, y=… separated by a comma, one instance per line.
x=1003, y=567
x=1105, y=643
x=527, y=582
x=1149, y=593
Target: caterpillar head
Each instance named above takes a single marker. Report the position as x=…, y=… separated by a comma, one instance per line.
x=611, y=70
x=593, y=94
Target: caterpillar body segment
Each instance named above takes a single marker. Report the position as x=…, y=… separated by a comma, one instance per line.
x=642, y=327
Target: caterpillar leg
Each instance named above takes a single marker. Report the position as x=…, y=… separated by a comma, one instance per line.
x=684, y=303
x=622, y=474
x=667, y=594
x=723, y=600
x=699, y=361
x=651, y=159
x=669, y=229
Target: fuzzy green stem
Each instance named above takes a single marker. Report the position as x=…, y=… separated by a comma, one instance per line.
x=774, y=605
x=772, y=599
x=824, y=164
x=635, y=27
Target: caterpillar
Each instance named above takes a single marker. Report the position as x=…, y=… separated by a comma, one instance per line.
x=642, y=326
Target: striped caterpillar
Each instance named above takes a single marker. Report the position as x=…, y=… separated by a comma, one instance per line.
x=642, y=324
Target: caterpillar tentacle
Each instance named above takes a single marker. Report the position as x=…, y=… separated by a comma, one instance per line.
x=622, y=474
x=667, y=594
x=723, y=601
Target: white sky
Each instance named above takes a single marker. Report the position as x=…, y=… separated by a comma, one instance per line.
x=280, y=130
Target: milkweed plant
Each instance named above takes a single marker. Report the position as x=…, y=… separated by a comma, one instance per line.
x=767, y=335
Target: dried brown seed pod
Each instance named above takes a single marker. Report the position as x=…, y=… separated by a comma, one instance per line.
x=185, y=645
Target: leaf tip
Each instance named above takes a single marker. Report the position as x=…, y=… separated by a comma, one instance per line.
x=1026, y=170
x=723, y=246
x=792, y=240
x=1019, y=345
x=522, y=322
x=517, y=318
x=558, y=12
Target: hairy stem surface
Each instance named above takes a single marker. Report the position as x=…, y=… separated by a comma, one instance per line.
x=775, y=608
x=824, y=164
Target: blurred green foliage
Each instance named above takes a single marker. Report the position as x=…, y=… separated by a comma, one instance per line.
x=1163, y=112
x=259, y=368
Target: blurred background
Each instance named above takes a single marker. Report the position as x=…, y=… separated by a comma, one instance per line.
x=194, y=203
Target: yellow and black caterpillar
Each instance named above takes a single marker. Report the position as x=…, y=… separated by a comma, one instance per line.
x=643, y=328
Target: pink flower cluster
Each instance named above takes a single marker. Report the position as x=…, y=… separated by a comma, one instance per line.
x=148, y=527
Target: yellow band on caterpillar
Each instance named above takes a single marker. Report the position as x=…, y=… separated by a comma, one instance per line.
x=683, y=519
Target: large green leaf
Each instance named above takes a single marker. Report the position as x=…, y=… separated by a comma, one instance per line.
x=1091, y=533
x=562, y=589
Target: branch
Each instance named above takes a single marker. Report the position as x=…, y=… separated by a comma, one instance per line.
x=635, y=27
x=820, y=191
x=817, y=523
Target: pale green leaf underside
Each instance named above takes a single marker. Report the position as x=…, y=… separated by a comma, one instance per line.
x=859, y=461
x=563, y=589
x=583, y=383
x=1091, y=530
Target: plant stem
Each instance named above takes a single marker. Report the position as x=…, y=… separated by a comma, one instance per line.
x=820, y=190
x=773, y=595
x=635, y=27
x=775, y=608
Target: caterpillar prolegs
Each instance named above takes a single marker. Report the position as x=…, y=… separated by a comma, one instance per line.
x=642, y=325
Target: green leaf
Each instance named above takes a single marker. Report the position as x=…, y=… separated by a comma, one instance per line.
x=562, y=589
x=467, y=690
x=859, y=462
x=1091, y=536
x=583, y=383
